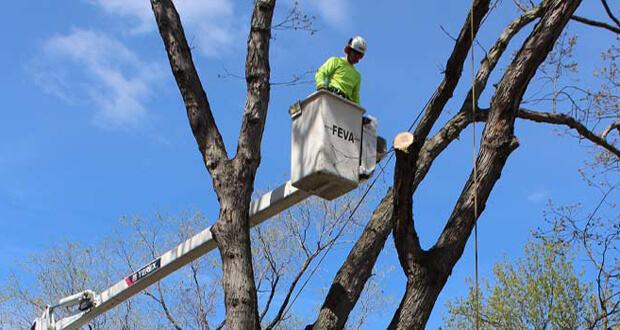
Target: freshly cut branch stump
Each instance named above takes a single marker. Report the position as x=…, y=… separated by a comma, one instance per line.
x=403, y=141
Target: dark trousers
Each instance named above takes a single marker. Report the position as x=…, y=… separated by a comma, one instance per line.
x=338, y=92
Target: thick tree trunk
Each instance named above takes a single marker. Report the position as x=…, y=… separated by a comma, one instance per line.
x=427, y=271
x=233, y=180
x=232, y=231
x=232, y=234
x=423, y=288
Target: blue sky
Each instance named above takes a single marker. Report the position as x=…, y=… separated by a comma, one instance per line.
x=94, y=127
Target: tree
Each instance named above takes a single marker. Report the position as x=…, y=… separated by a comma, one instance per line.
x=62, y=270
x=540, y=291
x=594, y=228
x=597, y=233
x=188, y=298
x=427, y=270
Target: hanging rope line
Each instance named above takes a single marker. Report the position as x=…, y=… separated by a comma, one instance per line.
x=473, y=116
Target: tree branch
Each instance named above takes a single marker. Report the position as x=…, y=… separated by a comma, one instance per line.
x=440, y=141
x=202, y=314
x=291, y=288
x=452, y=74
x=596, y=24
x=273, y=282
x=164, y=306
x=452, y=129
x=609, y=13
x=405, y=236
x=490, y=61
x=610, y=128
x=201, y=119
x=498, y=139
x=561, y=119
x=257, y=74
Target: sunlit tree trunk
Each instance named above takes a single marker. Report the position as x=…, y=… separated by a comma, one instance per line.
x=233, y=179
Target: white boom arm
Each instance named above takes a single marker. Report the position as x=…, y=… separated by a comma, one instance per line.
x=93, y=305
x=345, y=159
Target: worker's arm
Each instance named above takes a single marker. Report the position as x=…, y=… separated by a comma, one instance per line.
x=355, y=94
x=325, y=71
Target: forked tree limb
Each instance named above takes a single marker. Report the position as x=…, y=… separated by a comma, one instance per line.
x=234, y=189
x=233, y=181
x=498, y=135
x=609, y=13
x=431, y=269
x=491, y=59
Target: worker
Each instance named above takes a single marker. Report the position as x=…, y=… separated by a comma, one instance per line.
x=342, y=78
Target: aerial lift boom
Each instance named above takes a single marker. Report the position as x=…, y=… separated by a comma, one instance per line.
x=91, y=305
x=344, y=150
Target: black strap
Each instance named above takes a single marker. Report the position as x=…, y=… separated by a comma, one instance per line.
x=338, y=92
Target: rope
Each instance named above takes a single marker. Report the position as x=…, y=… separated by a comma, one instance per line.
x=473, y=110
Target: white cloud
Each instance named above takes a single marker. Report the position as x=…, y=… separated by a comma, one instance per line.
x=336, y=13
x=139, y=10
x=87, y=67
x=211, y=25
x=538, y=196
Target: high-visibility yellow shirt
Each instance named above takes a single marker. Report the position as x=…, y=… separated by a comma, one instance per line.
x=342, y=75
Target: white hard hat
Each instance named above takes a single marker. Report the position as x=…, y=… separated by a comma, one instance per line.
x=358, y=44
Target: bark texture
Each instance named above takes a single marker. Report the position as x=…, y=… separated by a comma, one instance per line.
x=233, y=179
